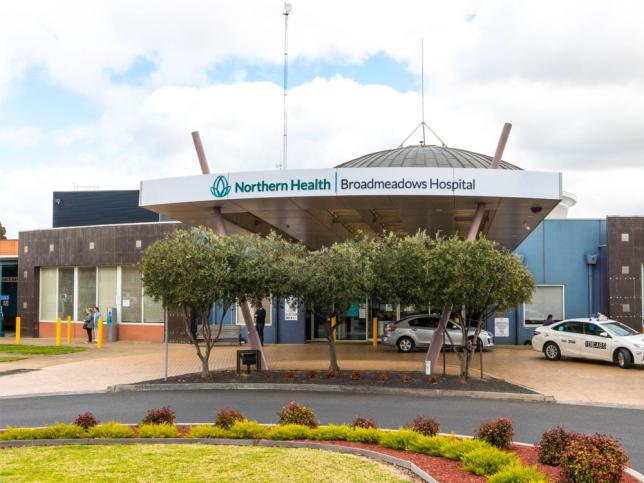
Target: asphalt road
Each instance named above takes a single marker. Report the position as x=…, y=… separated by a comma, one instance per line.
x=459, y=415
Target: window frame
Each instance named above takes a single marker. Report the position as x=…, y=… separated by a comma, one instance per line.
x=563, y=304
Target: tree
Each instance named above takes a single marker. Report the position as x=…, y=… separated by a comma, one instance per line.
x=479, y=275
x=191, y=271
x=3, y=232
x=333, y=278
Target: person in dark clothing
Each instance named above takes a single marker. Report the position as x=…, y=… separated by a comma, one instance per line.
x=88, y=324
x=260, y=320
x=193, y=322
x=549, y=320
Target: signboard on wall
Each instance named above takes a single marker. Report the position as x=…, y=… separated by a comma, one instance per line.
x=290, y=311
x=501, y=327
x=468, y=182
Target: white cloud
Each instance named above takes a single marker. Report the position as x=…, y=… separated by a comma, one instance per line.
x=568, y=76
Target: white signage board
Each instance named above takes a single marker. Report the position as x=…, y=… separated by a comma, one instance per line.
x=501, y=327
x=290, y=311
x=352, y=182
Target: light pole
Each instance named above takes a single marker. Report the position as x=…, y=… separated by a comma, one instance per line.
x=287, y=10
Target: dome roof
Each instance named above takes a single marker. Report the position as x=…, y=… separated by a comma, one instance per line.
x=430, y=156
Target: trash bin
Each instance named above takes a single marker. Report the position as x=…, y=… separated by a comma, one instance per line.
x=112, y=325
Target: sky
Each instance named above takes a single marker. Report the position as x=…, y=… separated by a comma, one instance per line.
x=105, y=94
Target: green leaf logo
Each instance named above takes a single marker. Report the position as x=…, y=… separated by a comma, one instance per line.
x=220, y=188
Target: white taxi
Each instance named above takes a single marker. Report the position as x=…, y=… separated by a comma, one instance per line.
x=591, y=338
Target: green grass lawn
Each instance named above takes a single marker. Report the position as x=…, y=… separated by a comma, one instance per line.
x=193, y=462
x=39, y=349
x=11, y=359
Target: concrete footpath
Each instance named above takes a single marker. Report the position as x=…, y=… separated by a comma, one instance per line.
x=128, y=362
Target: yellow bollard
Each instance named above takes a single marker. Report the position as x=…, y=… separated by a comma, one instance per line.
x=99, y=341
x=375, y=333
x=69, y=329
x=17, y=330
x=333, y=324
x=57, y=331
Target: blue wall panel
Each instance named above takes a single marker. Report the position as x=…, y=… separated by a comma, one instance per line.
x=555, y=254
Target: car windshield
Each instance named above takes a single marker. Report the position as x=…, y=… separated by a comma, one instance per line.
x=618, y=329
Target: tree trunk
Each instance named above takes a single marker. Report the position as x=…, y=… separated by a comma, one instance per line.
x=333, y=358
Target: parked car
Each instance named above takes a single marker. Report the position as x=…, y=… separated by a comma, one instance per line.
x=592, y=338
x=418, y=330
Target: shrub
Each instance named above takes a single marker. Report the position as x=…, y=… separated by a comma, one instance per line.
x=597, y=458
x=288, y=432
x=110, y=430
x=356, y=375
x=487, y=461
x=365, y=435
x=227, y=417
x=455, y=449
x=163, y=430
x=312, y=374
x=86, y=420
x=498, y=433
x=363, y=422
x=290, y=375
x=207, y=432
x=331, y=433
x=12, y=434
x=406, y=378
x=425, y=426
x=553, y=444
x=518, y=474
x=433, y=379
x=431, y=445
x=296, y=413
x=383, y=378
x=247, y=430
x=63, y=431
x=400, y=439
x=331, y=375
x=158, y=416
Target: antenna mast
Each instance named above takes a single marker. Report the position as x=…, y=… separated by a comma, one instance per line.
x=422, y=85
x=287, y=9
x=422, y=124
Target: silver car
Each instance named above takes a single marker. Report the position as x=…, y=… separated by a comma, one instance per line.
x=418, y=331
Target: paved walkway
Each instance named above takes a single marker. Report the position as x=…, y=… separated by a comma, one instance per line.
x=127, y=362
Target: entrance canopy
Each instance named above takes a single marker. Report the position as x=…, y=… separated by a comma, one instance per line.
x=402, y=190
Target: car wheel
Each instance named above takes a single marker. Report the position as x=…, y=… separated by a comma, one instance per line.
x=405, y=344
x=624, y=358
x=479, y=345
x=552, y=351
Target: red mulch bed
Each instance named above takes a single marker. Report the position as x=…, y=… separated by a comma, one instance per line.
x=443, y=469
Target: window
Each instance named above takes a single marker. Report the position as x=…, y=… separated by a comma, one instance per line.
x=106, y=288
x=424, y=322
x=152, y=311
x=131, y=295
x=48, y=293
x=65, y=292
x=626, y=270
x=593, y=329
x=571, y=327
x=546, y=299
x=266, y=303
x=625, y=237
x=86, y=290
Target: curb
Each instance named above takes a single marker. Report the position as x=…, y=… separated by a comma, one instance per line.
x=408, y=465
x=204, y=386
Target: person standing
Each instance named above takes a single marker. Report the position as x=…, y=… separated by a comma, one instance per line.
x=88, y=323
x=97, y=315
x=260, y=321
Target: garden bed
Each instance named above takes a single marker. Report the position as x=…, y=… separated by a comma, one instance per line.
x=396, y=379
